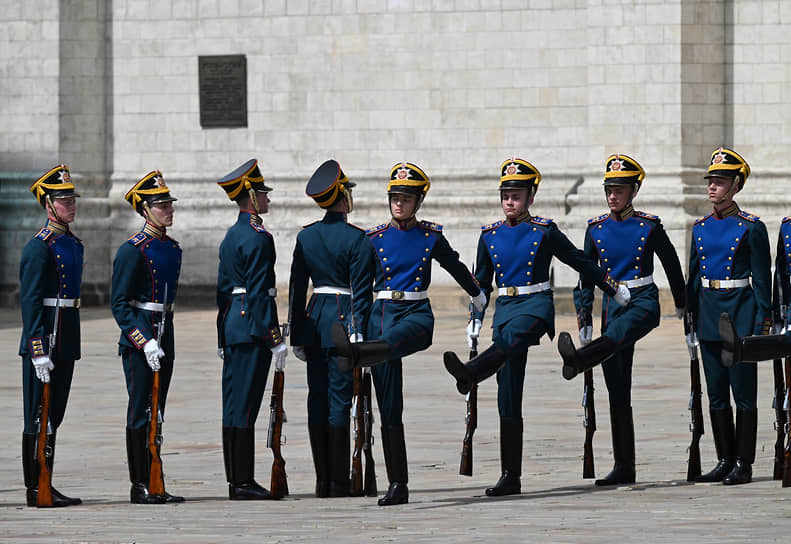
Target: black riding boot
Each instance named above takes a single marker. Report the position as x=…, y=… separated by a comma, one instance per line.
x=227, y=455
x=485, y=365
x=736, y=349
x=622, y=425
x=511, y=430
x=360, y=354
x=243, y=486
x=724, y=443
x=339, y=461
x=394, y=449
x=319, y=446
x=137, y=456
x=746, y=428
x=30, y=470
x=576, y=361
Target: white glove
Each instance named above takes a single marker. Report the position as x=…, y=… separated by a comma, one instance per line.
x=355, y=338
x=622, y=296
x=43, y=365
x=692, y=340
x=221, y=354
x=299, y=353
x=153, y=354
x=473, y=330
x=479, y=301
x=279, y=355
x=586, y=335
x=680, y=313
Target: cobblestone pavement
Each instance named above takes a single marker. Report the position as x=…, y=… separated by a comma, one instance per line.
x=556, y=504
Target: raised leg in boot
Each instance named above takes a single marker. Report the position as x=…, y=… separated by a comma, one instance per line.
x=724, y=443
x=319, y=446
x=360, y=354
x=736, y=349
x=622, y=425
x=394, y=449
x=139, y=467
x=243, y=486
x=339, y=461
x=485, y=365
x=746, y=428
x=511, y=432
x=576, y=361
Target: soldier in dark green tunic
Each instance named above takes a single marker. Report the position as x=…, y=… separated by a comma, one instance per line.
x=50, y=276
x=248, y=331
x=336, y=256
x=729, y=272
x=145, y=271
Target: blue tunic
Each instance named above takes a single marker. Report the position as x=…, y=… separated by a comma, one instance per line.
x=50, y=267
x=144, y=265
x=782, y=278
x=331, y=253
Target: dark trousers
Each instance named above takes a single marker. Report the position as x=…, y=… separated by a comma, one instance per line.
x=139, y=379
x=329, y=389
x=742, y=379
x=60, y=385
x=515, y=337
x=618, y=377
x=244, y=372
x=388, y=380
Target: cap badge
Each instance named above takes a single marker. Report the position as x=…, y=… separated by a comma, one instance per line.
x=718, y=158
x=512, y=169
x=64, y=176
x=159, y=181
x=403, y=173
x=616, y=165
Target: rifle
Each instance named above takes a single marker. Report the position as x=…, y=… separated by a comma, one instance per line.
x=787, y=427
x=278, y=486
x=368, y=425
x=470, y=418
x=43, y=449
x=695, y=406
x=156, y=485
x=359, y=434
x=589, y=422
x=363, y=482
x=780, y=391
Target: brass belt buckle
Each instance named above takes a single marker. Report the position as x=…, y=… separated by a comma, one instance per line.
x=397, y=295
x=77, y=304
x=714, y=284
x=512, y=291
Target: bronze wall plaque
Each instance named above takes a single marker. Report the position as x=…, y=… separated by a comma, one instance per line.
x=223, y=91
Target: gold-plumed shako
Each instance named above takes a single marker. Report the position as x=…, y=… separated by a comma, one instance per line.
x=150, y=189
x=238, y=183
x=408, y=178
x=56, y=183
x=516, y=173
x=727, y=163
x=328, y=184
x=623, y=170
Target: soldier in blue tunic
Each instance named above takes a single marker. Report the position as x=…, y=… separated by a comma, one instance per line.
x=514, y=256
x=145, y=271
x=401, y=320
x=50, y=275
x=247, y=326
x=337, y=257
x=623, y=242
x=728, y=247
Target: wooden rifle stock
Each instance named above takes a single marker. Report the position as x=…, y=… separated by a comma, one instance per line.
x=356, y=489
x=471, y=421
x=695, y=408
x=278, y=486
x=787, y=408
x=589, y=422
x=368, y=437
x=155, y=484
x=780, y=418
x=44, y=496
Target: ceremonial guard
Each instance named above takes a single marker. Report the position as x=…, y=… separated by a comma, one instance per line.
x=247, y=326
x=50, y=275
x=337, y=257
x=728, y=248
x=514, y=255
x=145, y=280
x=401, y=321
x=623, y=242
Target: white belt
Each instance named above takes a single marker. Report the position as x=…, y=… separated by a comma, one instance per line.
x=724, y=284
x=639, y=282
x=515, y=291
x=330, y=290
x=402, y=295
x=151, y=306
x=272, y=291
x=62, y=302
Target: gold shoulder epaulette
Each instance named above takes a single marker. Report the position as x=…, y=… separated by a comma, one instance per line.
x=598, y=218
x=377, y=228
x=748, y=216
x=649, y=216
x=702, y=219
x=540, y=220
x=43, y=234
x=492, y=226
x=137, y=238
x=436, y=227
